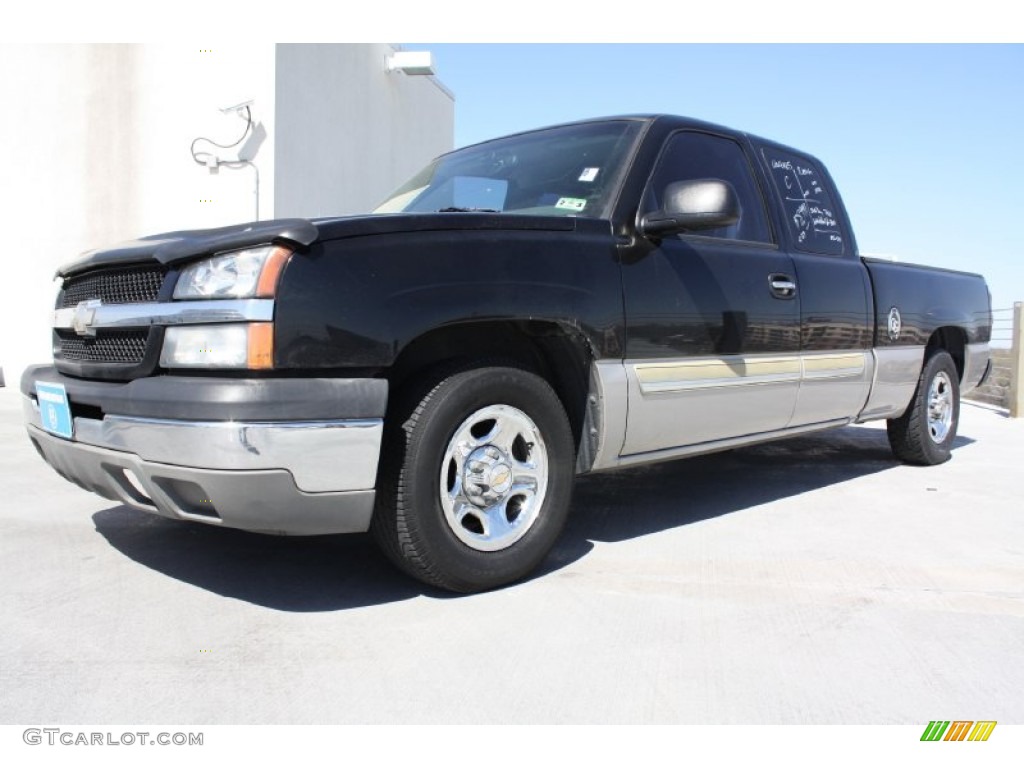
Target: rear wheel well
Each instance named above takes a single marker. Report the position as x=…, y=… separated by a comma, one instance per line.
x=954, y=341
x=557, y=353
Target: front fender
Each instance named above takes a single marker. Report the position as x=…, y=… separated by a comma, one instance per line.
x=357, y=302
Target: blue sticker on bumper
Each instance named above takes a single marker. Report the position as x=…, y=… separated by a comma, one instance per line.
x=54, y=411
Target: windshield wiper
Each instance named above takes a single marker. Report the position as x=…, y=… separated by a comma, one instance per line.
x=467, y=210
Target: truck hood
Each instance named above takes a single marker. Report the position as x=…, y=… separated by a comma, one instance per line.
x=174, y=247
x=177, y=247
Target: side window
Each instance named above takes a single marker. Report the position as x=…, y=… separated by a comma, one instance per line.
x=810, y=212
x=691, y=155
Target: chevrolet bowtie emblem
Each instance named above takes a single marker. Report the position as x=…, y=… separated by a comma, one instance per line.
x=85, y=312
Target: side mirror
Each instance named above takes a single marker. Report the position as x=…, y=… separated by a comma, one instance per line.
x=692, y=206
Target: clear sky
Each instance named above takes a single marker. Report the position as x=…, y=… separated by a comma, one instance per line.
x=924, y=141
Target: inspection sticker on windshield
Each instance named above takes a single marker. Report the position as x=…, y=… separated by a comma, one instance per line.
x=571, y=203
x=589, y=174
x=54, y=411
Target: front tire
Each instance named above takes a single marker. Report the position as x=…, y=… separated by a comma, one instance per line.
x=924, y=434
x=476, y=479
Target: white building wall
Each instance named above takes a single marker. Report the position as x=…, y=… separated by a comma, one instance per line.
x=349, y=131
x=59, y=121
x=180, y=91
x=94, y=149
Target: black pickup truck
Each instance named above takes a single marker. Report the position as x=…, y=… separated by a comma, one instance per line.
x=567, y=300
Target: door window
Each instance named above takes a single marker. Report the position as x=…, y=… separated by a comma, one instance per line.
x=810, y=213
x=689, y=156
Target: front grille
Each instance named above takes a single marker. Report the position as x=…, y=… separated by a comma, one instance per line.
x=105, y=347
x=131, y=285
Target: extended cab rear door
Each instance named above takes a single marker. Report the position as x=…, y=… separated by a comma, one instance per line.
x=712, y=331
x=836, y=319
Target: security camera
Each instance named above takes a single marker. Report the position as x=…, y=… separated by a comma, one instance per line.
x=238, y=109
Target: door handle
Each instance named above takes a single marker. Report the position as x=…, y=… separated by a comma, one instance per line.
x=782, y=286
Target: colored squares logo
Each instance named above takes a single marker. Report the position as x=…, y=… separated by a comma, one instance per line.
x=958, y=730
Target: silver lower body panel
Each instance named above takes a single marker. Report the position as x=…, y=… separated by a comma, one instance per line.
x=676, y=407
x=714, y=446
x=897, y=370
x=976, y=360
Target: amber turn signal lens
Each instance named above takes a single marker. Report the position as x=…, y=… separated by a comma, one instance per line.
x=261, y=346
x=271, y=272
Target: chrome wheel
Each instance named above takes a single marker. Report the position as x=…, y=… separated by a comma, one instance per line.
x=494, y=476
x=476, y=476
x=940, y=406
x=924, y=433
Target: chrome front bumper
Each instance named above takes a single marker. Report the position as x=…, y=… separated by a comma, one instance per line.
x=299, y=477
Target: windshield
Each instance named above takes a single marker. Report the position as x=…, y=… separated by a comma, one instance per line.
x=565, y=171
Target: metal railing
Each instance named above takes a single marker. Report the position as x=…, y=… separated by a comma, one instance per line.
x=1002, y=326
x=1003, y=386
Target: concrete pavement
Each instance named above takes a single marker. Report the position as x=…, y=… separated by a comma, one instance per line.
x=808, y=581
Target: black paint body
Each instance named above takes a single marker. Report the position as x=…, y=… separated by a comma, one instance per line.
x=928, y=298
x=360, y=289
x=366, y=290
x=356, y=300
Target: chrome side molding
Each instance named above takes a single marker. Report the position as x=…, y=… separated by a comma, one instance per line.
x=746, y=370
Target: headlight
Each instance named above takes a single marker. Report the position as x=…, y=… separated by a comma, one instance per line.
x=233, y=345
x=245, y=274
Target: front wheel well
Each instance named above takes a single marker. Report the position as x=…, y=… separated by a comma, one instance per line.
x=559, y=354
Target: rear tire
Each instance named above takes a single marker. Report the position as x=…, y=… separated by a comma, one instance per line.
x=475, y=479
x=924, y=434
